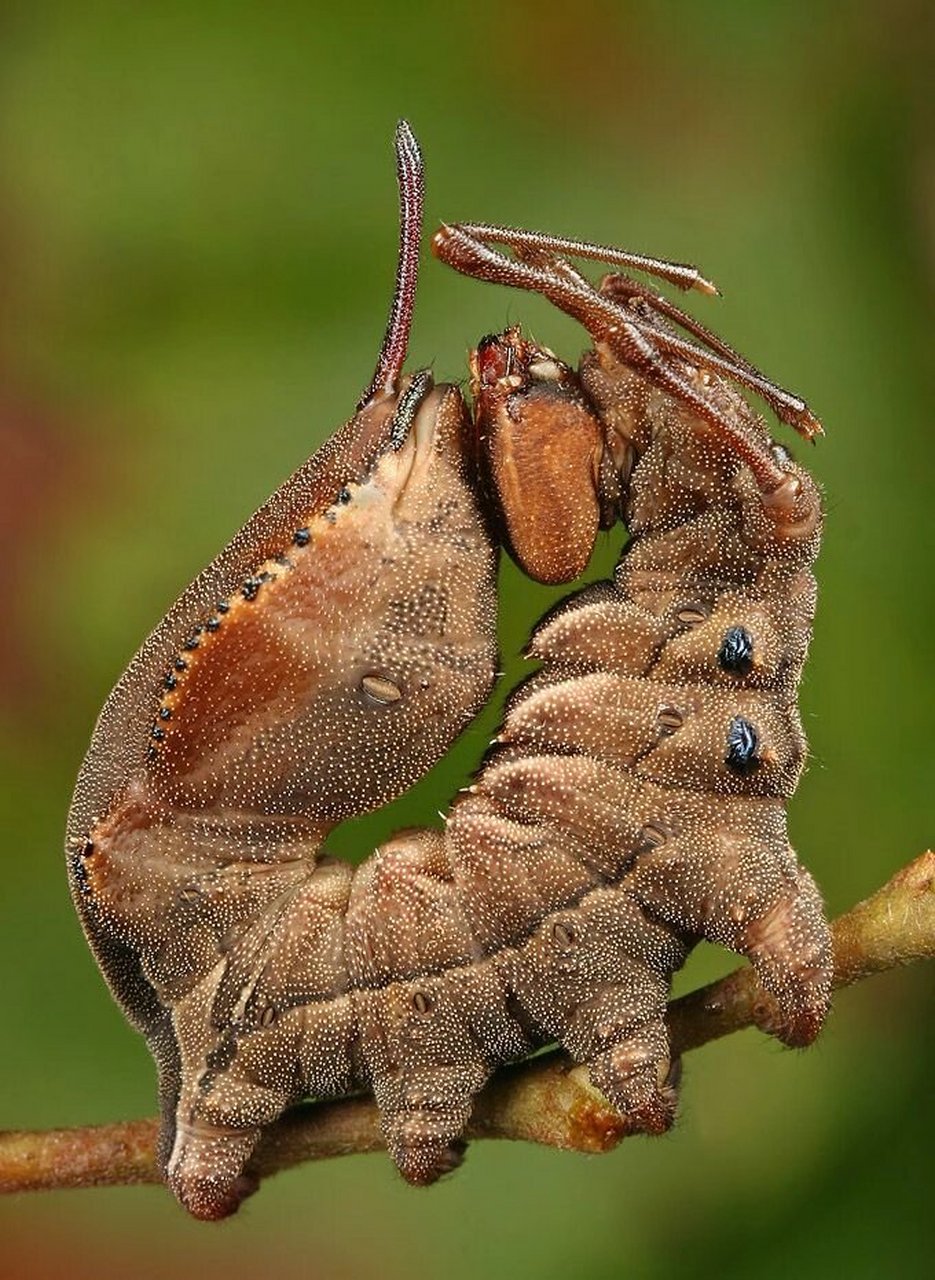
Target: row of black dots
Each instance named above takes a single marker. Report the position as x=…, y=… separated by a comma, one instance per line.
x=79, y=852
x=250, y=590
x=171, y=678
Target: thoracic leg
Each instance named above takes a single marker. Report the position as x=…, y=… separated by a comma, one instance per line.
x=634, y=341
x=529, y=244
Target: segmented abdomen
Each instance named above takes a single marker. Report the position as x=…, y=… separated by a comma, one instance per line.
x=633, y=803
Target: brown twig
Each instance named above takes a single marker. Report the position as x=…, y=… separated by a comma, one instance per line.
x=544, y=1100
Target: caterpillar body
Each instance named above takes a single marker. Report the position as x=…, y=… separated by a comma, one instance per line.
x=632, y=804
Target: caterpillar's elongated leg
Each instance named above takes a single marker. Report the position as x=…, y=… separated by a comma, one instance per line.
x=538, y=244
x=607, y=323
x=633, y=339
x=787, y=407
x=622, y=288
x=542, y=253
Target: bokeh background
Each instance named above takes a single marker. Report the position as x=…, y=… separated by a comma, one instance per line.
x=197, y=230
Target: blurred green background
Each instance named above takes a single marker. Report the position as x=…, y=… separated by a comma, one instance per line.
x=197, y=230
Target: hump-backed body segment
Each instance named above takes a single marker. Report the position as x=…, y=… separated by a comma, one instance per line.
x=291, y=694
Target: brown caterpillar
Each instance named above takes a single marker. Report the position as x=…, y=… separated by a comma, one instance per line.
x=632, y=804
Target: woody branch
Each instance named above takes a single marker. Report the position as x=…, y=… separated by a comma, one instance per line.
x=545, y=1100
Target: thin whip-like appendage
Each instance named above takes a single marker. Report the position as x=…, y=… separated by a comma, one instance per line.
x=632, y=339
x=788, y=408
x=623, y=288
x=681, y=274
x=410, y=175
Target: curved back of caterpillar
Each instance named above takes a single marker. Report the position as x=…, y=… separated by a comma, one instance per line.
x=633, y=803
x=321, y=664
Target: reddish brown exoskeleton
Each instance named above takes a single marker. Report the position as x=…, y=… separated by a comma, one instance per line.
x=632, y=804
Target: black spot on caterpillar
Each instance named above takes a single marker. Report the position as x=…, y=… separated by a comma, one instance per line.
x=606, y=831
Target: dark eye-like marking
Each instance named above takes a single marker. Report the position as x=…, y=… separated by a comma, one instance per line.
x=736, y=651
x=743, y=742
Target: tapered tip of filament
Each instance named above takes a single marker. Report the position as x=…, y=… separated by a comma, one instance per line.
x=815, y=429
x=440, y=239
x=706, y=286
x=807, y=425
x=406, y=141
x=410, y=176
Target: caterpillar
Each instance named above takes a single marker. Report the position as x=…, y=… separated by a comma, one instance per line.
x=632, y=804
